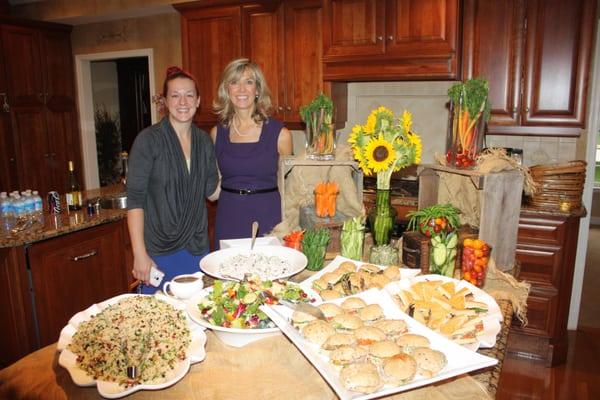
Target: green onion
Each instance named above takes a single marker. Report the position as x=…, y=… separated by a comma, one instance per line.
x=314, y=246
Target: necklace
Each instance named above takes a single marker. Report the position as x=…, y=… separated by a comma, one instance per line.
x=237, y=131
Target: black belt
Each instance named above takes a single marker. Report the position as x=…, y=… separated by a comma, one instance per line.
x=244, y=192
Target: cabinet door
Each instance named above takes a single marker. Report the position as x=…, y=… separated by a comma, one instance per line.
x=74, y=271
x=33, y=158
x=492, y=49
x=422, y=28
x=262, y=42
x=23, y=66
x=59, y=85
x=211, y=38
x=303, y=55
x=8, y=177
x=559, y=44
x=353, y=28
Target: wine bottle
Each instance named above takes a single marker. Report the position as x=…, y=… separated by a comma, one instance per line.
x=73, y=190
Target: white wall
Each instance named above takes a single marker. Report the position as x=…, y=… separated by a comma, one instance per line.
x=105, y=87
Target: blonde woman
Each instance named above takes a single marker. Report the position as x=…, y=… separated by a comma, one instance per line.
x=248, y=143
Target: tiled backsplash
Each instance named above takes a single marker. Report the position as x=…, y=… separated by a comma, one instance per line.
x=427, y=103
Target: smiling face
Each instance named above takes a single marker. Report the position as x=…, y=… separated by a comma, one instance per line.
x=182, y=99
x=242, y=92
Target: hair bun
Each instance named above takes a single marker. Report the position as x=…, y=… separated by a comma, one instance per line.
x=173, y=70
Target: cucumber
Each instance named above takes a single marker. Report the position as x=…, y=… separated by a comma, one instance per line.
x=439, y=255
x=249, y=298
x=453, y=241
x=436, y=239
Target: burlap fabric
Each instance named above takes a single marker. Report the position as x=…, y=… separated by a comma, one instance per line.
x=299, y=190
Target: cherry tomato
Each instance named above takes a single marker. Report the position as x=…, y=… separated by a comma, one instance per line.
x=467, y=276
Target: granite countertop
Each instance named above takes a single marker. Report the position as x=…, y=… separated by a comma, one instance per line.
x=576, y=212
x=66, y=222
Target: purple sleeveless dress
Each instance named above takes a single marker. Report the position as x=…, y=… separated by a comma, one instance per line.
x=248, y=166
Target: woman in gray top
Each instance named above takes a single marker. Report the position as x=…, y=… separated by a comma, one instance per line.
x=172, y=169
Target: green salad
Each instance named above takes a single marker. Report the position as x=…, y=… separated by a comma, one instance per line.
x=236, y=304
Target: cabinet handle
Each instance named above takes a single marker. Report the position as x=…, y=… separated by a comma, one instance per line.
x=5, y=106
x=390, y=38
x=53, y=155
x=41, y=97
x=46, y=155
x=379, y=38
x=84, y=256
x=527, y=109
x=280, y=108
x=288, y=108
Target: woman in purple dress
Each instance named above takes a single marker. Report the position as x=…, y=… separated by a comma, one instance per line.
x=248, y=144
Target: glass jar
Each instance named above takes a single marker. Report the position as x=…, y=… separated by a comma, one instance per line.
x=320, y=136
x=464, y=140
x=352, y=241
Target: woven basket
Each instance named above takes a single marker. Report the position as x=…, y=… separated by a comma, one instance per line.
x=560, y=186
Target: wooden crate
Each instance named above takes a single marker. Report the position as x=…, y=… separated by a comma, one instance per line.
x=287, y=163
x=499, y=199
x=308, y=219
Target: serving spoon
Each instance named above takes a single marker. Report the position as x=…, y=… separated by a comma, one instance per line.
x=254, y=233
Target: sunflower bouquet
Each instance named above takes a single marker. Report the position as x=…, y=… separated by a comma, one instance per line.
x=385, y=144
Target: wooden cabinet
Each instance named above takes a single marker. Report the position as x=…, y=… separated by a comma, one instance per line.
x=536, y=56
x=8, y=179
x=390, y=39
x=72, y=272
x=40, y=95
x=283, y=38
x=546, y=249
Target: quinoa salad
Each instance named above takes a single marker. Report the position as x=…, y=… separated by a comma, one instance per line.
x=140, y=331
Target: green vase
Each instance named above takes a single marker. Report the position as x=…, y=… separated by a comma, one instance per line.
x=382, y=218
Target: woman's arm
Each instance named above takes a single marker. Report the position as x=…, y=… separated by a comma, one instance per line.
x=141, y=260
x=215, y=195
x=285, y=145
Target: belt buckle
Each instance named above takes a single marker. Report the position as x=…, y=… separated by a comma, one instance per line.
x=245, y=192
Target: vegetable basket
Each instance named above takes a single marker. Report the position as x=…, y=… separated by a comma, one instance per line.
x=559, y=185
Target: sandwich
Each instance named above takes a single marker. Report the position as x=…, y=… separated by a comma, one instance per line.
x=381, y=351
x=462, y=329
x=371, y=313
x=317, y=331
x=330, y=310
x=477, y=306
x=331, y=278
x=400, y=369
x=338, y=340
x=353, y=304
x=379, y=281
x=300, y=319
x=361, y=377
x=345, y=355
x=346, y=323
x=392, y=328
x=329, y=294
x=347, y=266
x=409, y=341
x=369, y=268
x=392, y=272
x=320, y=284
x=429, y=362
x=367, y=335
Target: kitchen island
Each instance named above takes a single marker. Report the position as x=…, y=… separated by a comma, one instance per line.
x=52, y=270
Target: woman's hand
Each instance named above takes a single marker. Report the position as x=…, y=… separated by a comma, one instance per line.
x=141, y=267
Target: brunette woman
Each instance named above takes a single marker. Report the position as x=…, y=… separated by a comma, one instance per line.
x=172, y=169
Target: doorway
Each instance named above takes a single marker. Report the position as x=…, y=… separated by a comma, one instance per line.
x=121, y=101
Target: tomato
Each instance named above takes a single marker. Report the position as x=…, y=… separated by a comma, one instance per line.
x=468, y=251
x=478, y=244
x=477, y=268
x=478, y=253
x=437, y=229
x=467, y=276
x=468, y=243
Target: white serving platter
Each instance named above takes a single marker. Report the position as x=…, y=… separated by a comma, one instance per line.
x=211, y=263
x=491, y=319
x=307, y=283
x=111, y=390
x=260, y=241
x=460, y=360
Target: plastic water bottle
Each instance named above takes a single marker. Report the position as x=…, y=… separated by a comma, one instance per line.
x=28, y=205
x=38, y=207
x=19, y=207
x=6, y=210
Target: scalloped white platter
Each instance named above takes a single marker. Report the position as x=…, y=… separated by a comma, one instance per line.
x=491, y=320
x=111, y=390
x=307, y=283
x=460, y=360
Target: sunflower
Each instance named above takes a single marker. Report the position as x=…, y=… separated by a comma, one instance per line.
x=415, y=140
x=406, y=120
x=380, y=154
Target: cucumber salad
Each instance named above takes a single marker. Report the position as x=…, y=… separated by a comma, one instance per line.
x=236, y=304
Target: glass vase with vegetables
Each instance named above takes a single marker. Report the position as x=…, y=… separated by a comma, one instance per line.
x=320, y=128
x=352, y=238
x=469, y=113
x=314, y=247
x=383, y=145
x=439, y=223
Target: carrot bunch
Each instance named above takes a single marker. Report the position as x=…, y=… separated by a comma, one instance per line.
x=325, y=199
